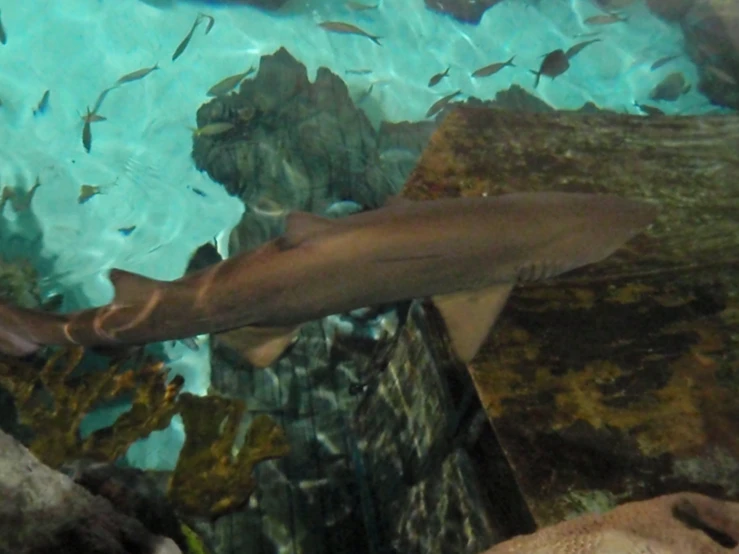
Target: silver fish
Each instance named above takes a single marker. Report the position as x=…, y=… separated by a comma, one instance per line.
x=136, y=75
x=348, y=29
x=493, y=68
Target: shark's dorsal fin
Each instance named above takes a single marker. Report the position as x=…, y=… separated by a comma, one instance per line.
x=132, y=288
x=302, y=226
x=260, y=346
x=469, y=315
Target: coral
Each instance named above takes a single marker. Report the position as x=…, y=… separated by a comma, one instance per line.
x=53, y=405
x=208, y=480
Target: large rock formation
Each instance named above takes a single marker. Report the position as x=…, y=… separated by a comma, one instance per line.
x=302, y=145
x=42, y=510
x=711, y=29
x=670, y=10
x=590, y=379
x=684, y=523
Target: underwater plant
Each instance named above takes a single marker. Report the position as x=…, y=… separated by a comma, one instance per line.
x=53, y=404
x=208, y=479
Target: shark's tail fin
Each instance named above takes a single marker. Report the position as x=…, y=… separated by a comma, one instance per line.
x=14, y=340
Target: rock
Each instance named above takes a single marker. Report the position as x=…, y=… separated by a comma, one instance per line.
x=590, y=379
x=133, y=492
x=400, y=145
x=419, y=445
x=466, y=11
x=42, y=510
x=711, y=30
x=296, y=144
x=670, y=10
x=308, y=501
x=686, y=523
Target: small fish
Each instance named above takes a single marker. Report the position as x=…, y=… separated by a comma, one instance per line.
x=3, y=35
x=357, y=71
x=348, y=29
x=359, y=7
x=670, y=88
x=101, y=97
x=125, y=231
x=212, y=129
x=493, y=68
x=89, y=118
x=440, y=104
x=211, y=21
x=438, y=77
x=573, y=51
x=649, y=110
x=43, y=104
x=606, y=19
x=199, y=192
x=664, y=60
x=136, y=75
x=226, y=85
x=554, y=63
x=185, y=41
x=93, y=117
x=87, y=192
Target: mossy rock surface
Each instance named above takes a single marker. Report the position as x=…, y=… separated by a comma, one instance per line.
x=620, y=380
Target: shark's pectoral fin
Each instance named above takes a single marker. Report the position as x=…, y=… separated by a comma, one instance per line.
x=132, y=288
x=260, y=346
x=469, y=315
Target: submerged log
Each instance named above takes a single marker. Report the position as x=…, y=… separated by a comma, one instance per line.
x=618, y=381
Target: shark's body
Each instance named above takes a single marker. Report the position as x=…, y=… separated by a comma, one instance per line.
x=465, y=253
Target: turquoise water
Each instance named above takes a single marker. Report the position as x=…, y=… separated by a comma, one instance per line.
x=140, y=156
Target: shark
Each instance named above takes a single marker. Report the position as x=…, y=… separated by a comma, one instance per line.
x=465, y=254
